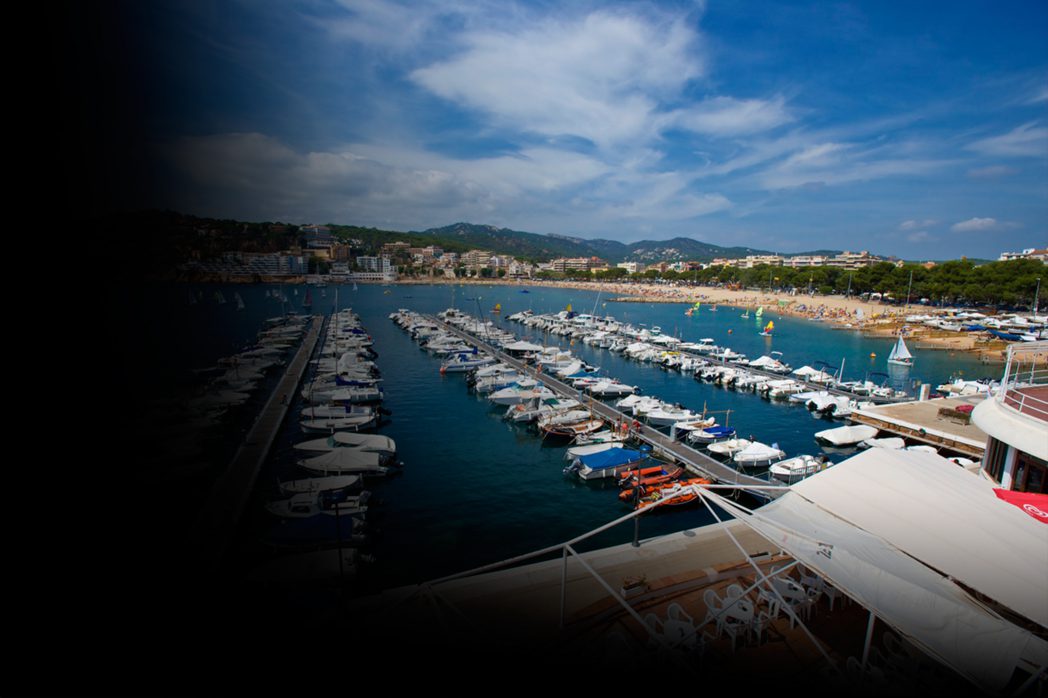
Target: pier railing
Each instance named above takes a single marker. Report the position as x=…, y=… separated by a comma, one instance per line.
x=1024, y=387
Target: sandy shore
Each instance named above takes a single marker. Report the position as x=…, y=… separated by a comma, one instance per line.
x=870, y=318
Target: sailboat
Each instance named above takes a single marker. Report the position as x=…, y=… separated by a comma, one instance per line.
x=900, y=355
x=760, y=311
x=693, y=309
x=768, y=329
x=497, y=308
x=240, y=301
x=746, y=315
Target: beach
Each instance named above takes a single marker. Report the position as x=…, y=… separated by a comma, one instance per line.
x=872, y=318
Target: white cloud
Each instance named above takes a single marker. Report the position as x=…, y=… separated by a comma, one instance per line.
x=257, y=177
x=725, y=116
x=1028, y=140
x=919, y=236
x=981, y=224
x=828, y=164
x=915, y=224
x=601, y=78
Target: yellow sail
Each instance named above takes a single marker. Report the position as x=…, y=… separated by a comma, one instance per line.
x=568, y=308
x=770, y=326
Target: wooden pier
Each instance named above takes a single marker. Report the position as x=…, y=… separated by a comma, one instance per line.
x=695, y=461
x=219, y=518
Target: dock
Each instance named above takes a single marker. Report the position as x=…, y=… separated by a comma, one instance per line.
x=934, y=422
x=695, y=461
x=810, y=385
x=222, y=512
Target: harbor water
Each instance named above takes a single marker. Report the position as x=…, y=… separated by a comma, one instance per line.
x=474, y=488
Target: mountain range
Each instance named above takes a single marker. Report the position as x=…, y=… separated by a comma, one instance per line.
x=544, y=247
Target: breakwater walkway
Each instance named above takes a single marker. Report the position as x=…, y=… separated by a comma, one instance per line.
x=695, y=461
x=218, y=520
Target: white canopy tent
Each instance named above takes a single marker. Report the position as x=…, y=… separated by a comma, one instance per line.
x=901, y=532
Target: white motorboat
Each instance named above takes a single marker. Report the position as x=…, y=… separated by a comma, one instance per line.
x=846, y=436
x=601, y=437
x=336, y=411
x=349, y=422
x=514, y=395
x=793, y=469
x=345, y=461
x=460, y=363
x=532, y=410
x=346, y=439
x=710, y=434
x=319, y=484
x=576, y=451
x=892, y=443
x=729, y=447
x=757, y=454
x=306, y=504
x=666, y=416
x=610, y=388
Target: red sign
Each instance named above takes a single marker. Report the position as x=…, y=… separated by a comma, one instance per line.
x=1036, y=505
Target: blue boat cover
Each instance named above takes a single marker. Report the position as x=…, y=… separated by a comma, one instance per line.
x=612, y=458
x=719, y=431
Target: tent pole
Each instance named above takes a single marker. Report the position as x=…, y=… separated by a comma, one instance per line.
x=705, y=496
x=866, y=647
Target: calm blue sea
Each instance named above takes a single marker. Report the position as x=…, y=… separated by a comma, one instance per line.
x=475, y=489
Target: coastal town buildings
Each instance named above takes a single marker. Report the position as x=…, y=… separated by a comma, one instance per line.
x=565, y=264
x=1040, y=254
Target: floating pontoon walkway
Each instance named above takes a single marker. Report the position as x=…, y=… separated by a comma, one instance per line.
x=222, y=512
x=695, y=461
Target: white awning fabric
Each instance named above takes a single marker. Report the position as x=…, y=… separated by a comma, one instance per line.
x=891, y=528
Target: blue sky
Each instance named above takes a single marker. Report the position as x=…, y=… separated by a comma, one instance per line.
x=915, y=129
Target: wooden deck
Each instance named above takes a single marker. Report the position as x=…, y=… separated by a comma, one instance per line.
x=695, y=461
x=218, y=520
x=924, y=421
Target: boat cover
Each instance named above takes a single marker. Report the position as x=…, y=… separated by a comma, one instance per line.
x=522, y=346
x=343, y=457
x=612, y=458
x=757, y=451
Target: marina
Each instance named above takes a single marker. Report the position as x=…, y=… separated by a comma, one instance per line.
x=695, y=461
x=473, y=449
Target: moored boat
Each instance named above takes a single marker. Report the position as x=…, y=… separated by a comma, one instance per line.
x=795, y=468
x=846, y=436
x=609, y=463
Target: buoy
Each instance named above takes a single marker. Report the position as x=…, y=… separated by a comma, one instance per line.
x=873, y=355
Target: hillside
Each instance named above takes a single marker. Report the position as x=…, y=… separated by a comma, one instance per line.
x=545, y=247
